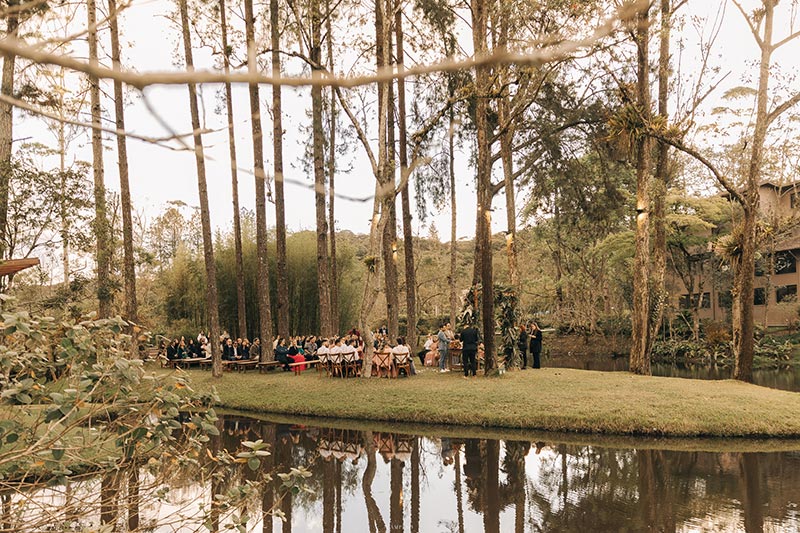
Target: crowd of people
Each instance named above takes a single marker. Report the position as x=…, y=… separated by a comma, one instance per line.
x=350, y=347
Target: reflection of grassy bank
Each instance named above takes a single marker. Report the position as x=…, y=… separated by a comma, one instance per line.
x=715, y=445
x=547, y=399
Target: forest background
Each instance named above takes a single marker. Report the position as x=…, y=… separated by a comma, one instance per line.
x=562, y=136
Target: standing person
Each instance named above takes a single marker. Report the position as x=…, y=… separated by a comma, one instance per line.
x=536, y=345
x=444, y=344
x=470, y=337
x=522, y=343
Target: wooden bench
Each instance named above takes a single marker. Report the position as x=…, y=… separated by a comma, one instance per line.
x=268, y=365
x=297, y=368
x=243, y=365
x=181, y=363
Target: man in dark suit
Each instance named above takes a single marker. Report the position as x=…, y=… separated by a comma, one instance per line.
x=536, y=345
x=470, y=338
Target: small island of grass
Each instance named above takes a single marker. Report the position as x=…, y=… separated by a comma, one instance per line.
x=550, y=399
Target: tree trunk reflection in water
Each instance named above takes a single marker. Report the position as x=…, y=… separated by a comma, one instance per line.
x=328, y=495
x=268, y=498
x=396, y=498
x=491, y=515
x=338, y=497
x=283, y=452
x=415, y=486
x=751, y=497
x=514, y=490
x=374, y=517
x=459, y=492
x=647, y=487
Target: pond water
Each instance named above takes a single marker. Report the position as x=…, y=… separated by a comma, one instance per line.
x=388, y=481
x=784, y=378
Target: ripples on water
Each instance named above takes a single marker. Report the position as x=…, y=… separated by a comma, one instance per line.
x=392, y=482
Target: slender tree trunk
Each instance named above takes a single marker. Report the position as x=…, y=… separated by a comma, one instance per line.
x=212, y=304
x=660, y=184
x=62, y=165
x=241, y=309
x=389, y=243
x=264, y=311
x=6, y=130
x=744, y=265
x=639, y=358
x=405, y=196
x=507, y=158
x=128, y=265
x=334, y=274
x=451, y=164
x=277, y=166
x=480, y=16
x=382, y=191
x=101, y=228
x=323, y=285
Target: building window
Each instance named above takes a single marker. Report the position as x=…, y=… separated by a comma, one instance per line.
x=785, y=263
x=786, y=293
x=705, y=303
x=760, y=296
x=760, y=270
x=685, y=302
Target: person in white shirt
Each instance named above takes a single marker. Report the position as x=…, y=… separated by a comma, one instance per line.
x=336, y=351
x=402, y=353
x=348, y=351
x=429, y=342
x=323, y=352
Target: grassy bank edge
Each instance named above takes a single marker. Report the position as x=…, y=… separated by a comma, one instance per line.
x=564, y=401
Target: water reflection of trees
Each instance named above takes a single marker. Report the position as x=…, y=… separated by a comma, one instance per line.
x=535, y=486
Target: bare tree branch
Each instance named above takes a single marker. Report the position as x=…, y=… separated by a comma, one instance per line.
x=159, y=141
x=747, y=19
x=775, y=113
x=141, y=80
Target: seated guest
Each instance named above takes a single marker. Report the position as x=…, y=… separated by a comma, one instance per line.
x=348, y=351
x=245, y=349
x=172, y=350
x=255, y=349
x=310, y=348
x=382, y=359
x=336, y=351
x=182, y=353
x=282, y=353
x=192, y=349
x=426, y=348
x=296, y=357
x=323, y=352
x=293, y=350
x=402, y=353
x=228, y=351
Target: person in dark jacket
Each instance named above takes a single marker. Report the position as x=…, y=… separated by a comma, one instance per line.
x=536, y=345
x=172, y=350
x=522, y=343
x=470, y=337
x=282, y=353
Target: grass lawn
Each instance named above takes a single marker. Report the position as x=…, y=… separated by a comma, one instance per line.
x=550, y=399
